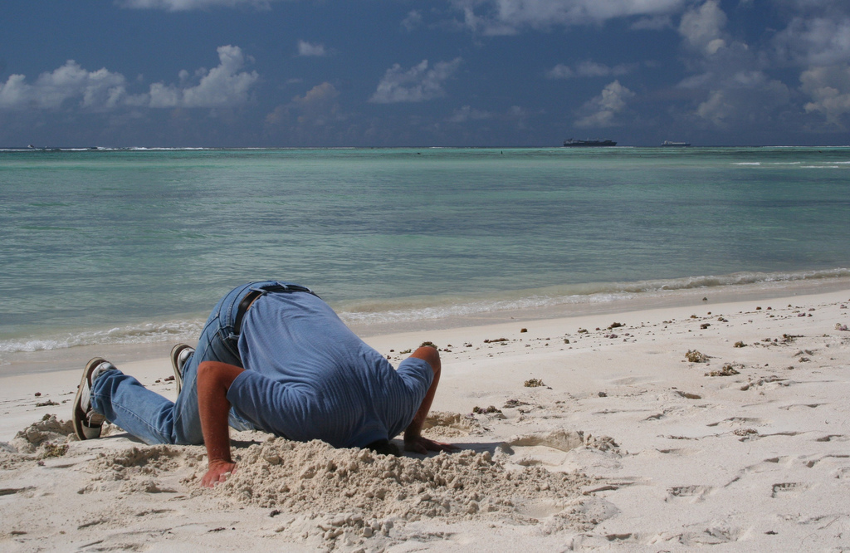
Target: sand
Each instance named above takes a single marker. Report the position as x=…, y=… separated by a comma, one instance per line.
x=665, y=429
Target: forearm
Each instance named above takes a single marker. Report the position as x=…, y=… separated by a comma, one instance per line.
x=214, y=380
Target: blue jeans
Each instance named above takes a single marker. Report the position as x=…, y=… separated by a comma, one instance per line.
x=155, y=419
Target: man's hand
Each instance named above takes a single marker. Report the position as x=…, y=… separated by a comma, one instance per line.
x=424, y=445
x=217, y=473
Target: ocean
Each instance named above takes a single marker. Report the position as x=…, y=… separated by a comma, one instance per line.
x=135, y=246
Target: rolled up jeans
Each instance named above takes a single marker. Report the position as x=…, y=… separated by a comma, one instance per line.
x=155, y=419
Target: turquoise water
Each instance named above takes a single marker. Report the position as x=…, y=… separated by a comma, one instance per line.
x=124, y=246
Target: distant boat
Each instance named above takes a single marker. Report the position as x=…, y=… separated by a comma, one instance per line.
x=586, y=143
x=671, y=144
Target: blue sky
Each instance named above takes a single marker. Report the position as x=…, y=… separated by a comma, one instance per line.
x=306, y=73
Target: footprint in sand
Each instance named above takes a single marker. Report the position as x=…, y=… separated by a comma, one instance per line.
x=801, y=406
x=784, y=489
x=830, y=460
x=715, y=534
x=740, y=421
x=833, y=438
x=690, y=493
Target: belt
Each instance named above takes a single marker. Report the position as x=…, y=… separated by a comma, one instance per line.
x=254, y=294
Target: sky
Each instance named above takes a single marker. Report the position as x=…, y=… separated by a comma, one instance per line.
x=396, y=73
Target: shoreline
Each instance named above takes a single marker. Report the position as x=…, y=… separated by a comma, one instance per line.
x=68, y=358
x=654, y=452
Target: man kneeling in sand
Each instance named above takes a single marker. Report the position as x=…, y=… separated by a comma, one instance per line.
x=274, y=357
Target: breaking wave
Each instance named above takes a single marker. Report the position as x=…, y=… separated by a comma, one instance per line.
x=430, y=308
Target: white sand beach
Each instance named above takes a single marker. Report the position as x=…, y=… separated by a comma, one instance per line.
x=654, y=429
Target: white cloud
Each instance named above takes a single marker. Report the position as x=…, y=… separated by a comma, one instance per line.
x=96, y=90
x=589, y=69
x=560, y=71
x=100, y=90
x=221, y=86
x=320, y=98
x=817, y=41
x=417, y=84
x=653, y=23
x=466, y=113
x=702, y=27
x=187, y=5
x=307, y=49
x=514, y=114
x=413, y=20
x=829, y=88
x=743, y=99
x=318, y=107
x=602, y=111
x=495, y=17
x=738, y=92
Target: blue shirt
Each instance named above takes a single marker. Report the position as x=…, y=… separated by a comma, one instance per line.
x=308, y=376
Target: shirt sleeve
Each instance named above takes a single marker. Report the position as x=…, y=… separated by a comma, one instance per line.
x=417, y=376
x=271, y=405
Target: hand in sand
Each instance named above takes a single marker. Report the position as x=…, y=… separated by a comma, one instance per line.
x=217, y=473
x=424, y=445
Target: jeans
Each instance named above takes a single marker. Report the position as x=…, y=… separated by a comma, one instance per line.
x=155, y=419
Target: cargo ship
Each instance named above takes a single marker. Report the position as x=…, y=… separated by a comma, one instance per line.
x=671, y=144
x=586, y=143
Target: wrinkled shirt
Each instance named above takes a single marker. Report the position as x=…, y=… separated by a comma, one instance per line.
x=308, y=376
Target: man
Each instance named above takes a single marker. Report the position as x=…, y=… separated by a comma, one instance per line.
x=274, y=357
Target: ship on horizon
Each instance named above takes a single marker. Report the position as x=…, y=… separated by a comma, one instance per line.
x=672, y=144
x=587, y=142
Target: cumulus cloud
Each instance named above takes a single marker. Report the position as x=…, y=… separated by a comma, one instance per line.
x=317, y=104
x=829, y=88
x=466, y=113
x=222, y=86
x=589, y=69
x=188, y=5
x=745, y=98
x=307, y=49
x=731, y=79
x=653, y=23
x=95, y=90
x=702, y=27
x=602, y=111
x=819, y=41
x=495, y=17
x=317, y=107
x=413, y=20
x=417, y=84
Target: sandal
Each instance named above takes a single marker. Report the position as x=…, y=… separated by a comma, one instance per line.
x=87, y=423
x=179, y=355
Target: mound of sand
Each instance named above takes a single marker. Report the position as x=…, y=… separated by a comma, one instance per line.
x=314, y=478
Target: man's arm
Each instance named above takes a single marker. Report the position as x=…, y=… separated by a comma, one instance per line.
x=413, y=440
x=214, y=380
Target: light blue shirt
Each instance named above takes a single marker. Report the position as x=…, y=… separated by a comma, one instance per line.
x=308, y=376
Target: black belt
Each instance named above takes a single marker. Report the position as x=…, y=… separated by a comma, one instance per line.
x=254, y=294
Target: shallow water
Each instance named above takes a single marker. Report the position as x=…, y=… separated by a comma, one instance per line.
x=119, y=247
